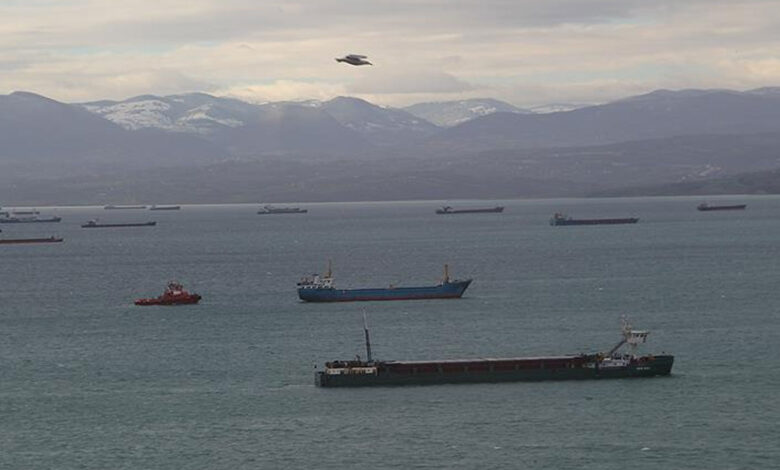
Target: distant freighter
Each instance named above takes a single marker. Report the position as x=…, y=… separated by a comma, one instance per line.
x=112, y=207
x=95, y=224
x=281, y=210
x=706, y=207
x=450, y=210
x=28, y=220
x=20, y=241
x=165, y=208
x=320, y=289
x=561, y=219
x=610, y=365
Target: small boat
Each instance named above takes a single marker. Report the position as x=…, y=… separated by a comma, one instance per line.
x=28, y=219
x=562, y=219
x=706, y=207
x=281, y=210
x=174, y=295
x=165, y=208
x=605, y=365
x=20, y=241
x=112, y=207
x=450, y=210
x=320, y=289
x=94, y=224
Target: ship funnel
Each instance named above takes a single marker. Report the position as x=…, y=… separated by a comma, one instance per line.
x=446, y=273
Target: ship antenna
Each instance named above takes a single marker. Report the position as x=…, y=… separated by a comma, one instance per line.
x=368, y=340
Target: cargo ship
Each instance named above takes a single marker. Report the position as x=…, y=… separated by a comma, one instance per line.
x=281, y=210
x=20, y=241
x=610, y=365
x=174, y=295
x=706, y=207
x=95, y=224
x=28, y=219
x=450, y=210
x=165, y=208
x=112, y=207
x=562, y=219
x=318, y=288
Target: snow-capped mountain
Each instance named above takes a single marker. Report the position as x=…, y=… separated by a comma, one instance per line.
x=380, y=125
x=195, y=113
x=452, y=113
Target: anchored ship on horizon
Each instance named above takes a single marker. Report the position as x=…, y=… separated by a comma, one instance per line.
x=610, y=365
x=320, y=288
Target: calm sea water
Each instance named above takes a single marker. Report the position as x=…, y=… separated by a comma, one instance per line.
x=87, y=380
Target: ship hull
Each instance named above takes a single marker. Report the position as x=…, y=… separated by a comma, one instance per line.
x=181, y=300
x=450, y=290
x=737, y=207
x=21, y=241
x=485, y=372
x=282, y=211
x=145, y=224
x=492, y=210
x=628, y=220
x=30, y=220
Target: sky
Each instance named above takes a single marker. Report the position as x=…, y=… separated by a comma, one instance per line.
x=526, y=52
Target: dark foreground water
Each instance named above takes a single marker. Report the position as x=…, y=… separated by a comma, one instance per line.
x=87, y=380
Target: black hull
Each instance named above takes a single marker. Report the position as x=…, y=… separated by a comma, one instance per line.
x=659, y=366
x=30, y=221
x=21, y=241
x=722, y=208
x=492, y=210
x=147, y=224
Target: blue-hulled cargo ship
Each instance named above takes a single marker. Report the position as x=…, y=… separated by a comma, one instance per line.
x=317, y=288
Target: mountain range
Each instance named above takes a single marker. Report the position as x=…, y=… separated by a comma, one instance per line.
x=201, y=148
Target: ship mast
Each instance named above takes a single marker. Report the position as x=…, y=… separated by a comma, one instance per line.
x=368, y=340
x=329, y=274
x=446, y=273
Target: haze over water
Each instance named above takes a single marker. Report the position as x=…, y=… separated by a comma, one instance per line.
x=87, y=380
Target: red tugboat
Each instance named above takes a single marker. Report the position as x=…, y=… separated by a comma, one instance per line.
x=174, y=295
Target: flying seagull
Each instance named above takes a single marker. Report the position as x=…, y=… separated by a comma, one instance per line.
x=354, y=59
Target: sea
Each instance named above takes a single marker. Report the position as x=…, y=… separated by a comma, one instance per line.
x=90, y=381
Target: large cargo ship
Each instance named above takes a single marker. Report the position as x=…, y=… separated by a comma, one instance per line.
x=610, y=365
x=706, y=207
x=28, y=220
x=281, y=210
x=165, y=208
x=449, y=210
x=21, y=241
x=320, y=289
x=562, y=219
x=96, y=224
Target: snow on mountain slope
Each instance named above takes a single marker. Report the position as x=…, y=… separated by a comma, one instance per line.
x=195, y=113
x=452, y=113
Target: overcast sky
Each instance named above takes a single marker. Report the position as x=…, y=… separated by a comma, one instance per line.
x=527, y=52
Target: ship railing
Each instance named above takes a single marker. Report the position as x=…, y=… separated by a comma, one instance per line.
x=351, y=371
